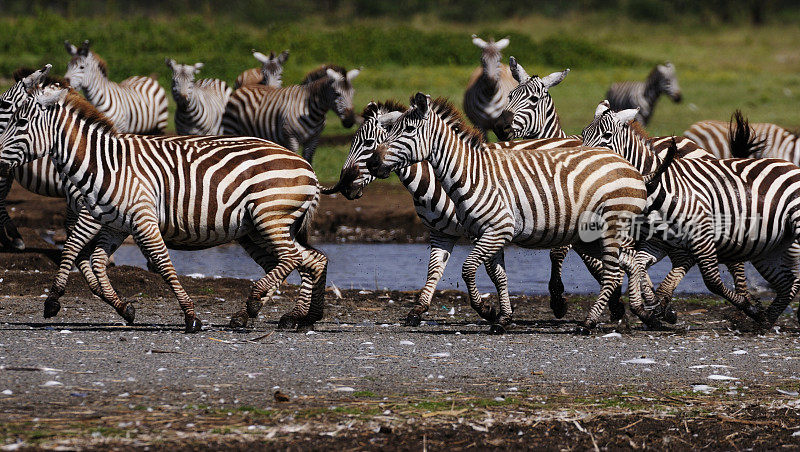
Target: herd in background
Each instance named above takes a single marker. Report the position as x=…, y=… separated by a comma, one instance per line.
x=233, y=174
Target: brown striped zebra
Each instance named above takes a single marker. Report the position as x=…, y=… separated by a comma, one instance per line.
x=488, y=87
x=293, y=116
x=186, y=192
x=134, y=105
x=729, y=210
x=536, y=199
x=644, y=95
x=774, y=141
x=199, y=103
x=270, y=73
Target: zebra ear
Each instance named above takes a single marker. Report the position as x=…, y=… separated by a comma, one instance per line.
x=37, y=77
x=170, y=63
x=71, y=49
x=502, y=44
x=517, y=71
x=50, y=96
x=260, y=57
x=84, y=50
x=387, y=120
x=283, y=57
x=479, y=42
x=420, y=102
x=555, y=78
x=333, y=75
x=198, y=66
x=352, y=73
x=626, y=116
x=601, y=108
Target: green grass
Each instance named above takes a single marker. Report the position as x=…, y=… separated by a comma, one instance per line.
x=720, y=68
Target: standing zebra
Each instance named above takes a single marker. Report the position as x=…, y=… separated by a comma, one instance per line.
x=135, y=105
x=270, y=73
x=731, y=210
x=200, y=103
x=293, y=116
x=189, y=192
x=433, y=206
x=488, y=86
x=535, y=199
x=644, y=95
x=775, y=141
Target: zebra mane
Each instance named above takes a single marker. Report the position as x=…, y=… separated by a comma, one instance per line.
x=87, y=111
x=377, y=108
x=101, y=63
x=638, y=130
x=22, y=72
x=455, y=119
x=322, y=72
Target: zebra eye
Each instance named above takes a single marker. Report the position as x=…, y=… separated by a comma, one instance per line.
x=80, y=67
x=369, y=143
x=5, y=105
x=607, y=135
x=22, y=122
x=409, y=129
x=534, y=98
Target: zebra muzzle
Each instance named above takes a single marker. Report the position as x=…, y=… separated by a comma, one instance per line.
x=376, y=167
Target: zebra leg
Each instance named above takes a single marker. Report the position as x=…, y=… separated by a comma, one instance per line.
x=107, y=242
x=556, y=285
x=495, y=268
x=257, y=250
x=441, y=248
x=595, y=267
x=148, y=236
x=485, y=249
x=612, y=274
x=9, y=236
x=311, y=303
x=781, y=278
x=309, y=148
x=636, y=277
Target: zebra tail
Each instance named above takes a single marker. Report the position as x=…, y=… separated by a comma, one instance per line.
x=651, y=180
x=305, y=222
x=742, y=140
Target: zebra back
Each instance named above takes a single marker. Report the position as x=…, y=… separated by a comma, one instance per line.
x=774, y=141
x=644, y=95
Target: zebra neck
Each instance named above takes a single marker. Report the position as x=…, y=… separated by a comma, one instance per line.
x=456, y=164
x=80, y=149
x=98, y=88
x=652, y=89
x=639, y=154
x=318, y=101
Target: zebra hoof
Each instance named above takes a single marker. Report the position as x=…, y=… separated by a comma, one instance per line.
x=670, y=316
x=497, y=329
x=756, y=313
x=617, y=311
x=558, y=306
x=253, y=308
x=413, y=319
x=51, y=308
x=18, y=244
x=489, y=314
x=239, y=320
x=585, y=328
x=128, y=313
x=287, y=322
x=193, y=325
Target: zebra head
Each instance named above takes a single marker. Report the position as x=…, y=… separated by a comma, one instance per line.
x=342, y=94
x=610, y=129
x=29, y=134
x=14, y=96
x=272, y=67
x=378, y=119
x=406, y=142
x=530, y=112
x=668, y=81
x=490, y=55
x=183, y=76
x=83, y=65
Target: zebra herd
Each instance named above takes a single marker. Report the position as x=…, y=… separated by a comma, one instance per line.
x=621, y=199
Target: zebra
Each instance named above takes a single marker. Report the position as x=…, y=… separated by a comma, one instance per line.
x=488, y=86
x=135, y=105
x=644, y=95
x=200, y=103
x=433, y=206
x=775, y=141
x=189, y=192
x=535, y=199
x=293, y=116
x=529, y=111
x=270, y=73
x=730, y=210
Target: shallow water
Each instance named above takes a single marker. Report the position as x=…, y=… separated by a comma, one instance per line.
x=404, y=267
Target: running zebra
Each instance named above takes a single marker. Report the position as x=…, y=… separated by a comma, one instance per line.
x=488, y=86
x=270, y=73
x=433, y=206
x=200, y=103
x=535, y=199
x=135, y=105
x=189, y=192
x=644, y=95
x=731, y=210
x=530, y=112
x=293, y=116
x=775, y=141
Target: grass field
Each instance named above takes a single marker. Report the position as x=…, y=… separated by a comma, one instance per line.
x=720, y=68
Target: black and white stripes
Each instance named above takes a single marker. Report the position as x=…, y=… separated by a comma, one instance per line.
x=644, y=95
x=488, y=86
x=200, y=103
